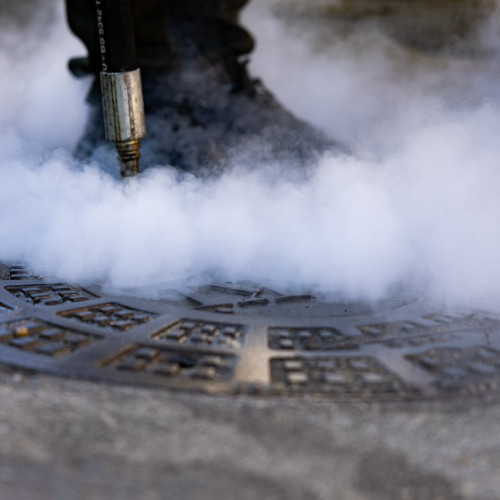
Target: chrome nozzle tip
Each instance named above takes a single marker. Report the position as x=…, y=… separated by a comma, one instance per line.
x=129, y=154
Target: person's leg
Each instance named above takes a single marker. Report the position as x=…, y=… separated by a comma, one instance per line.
x=201, y=105
x=212, y=25
x=209, y=25
x=81, y=15
x=150, y=29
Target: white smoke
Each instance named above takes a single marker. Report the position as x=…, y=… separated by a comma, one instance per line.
x=416, y=203
x=40, y=100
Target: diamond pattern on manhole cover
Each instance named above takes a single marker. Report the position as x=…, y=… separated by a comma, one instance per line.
x=49, y=294
x=474, y=319
x=461, y=369
x=171, y=363
x=109, y=315
x=195, y=332
x=245, y=298
x=311, y=339
x=351, y=374
x=394, y=329
x=438, y=329
x=40, y=337
x=16, y=273
x=399, y=334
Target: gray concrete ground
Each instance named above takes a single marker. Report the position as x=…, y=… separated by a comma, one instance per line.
x=63, y=439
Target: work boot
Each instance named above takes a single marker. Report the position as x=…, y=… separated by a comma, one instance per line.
x=203, y=110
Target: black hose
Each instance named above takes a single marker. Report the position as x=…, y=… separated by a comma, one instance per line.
x=115, y=24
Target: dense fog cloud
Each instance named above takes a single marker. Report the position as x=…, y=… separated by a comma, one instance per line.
x=416, y=203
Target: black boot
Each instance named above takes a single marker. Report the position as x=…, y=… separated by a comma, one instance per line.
x=203, y=111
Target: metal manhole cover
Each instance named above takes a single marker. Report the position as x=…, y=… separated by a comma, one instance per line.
x=242, y=338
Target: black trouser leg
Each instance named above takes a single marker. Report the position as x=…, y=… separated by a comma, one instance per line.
x=210, y=25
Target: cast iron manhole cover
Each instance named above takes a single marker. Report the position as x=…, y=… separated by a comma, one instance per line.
x=242, y=338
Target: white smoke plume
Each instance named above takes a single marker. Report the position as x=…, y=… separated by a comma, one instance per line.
x=417, y=202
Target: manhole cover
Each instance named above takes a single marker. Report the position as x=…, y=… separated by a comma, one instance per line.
x=242, y=338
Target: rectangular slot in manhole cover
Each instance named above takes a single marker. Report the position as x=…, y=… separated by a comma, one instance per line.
x=343, y=375
x=40, y=337
x=49, y=295
x=308, y=339
x=203, y=333
x=109, y=315
x=172, y=363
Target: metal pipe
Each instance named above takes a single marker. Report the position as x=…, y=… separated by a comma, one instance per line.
x=121, y=87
